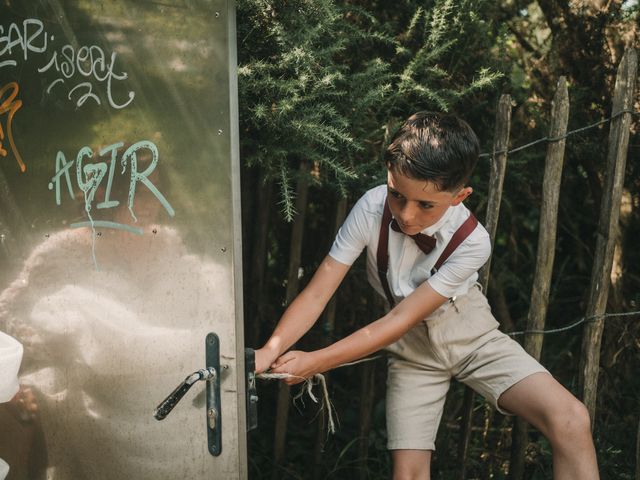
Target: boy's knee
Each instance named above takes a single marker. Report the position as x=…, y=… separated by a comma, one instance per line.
x=411, y=464
x=570, y=423
x=411, y=474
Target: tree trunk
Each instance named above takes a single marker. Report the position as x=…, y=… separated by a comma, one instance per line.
x=247, y=200
x=607, y=225
x=544, y=256
x=328, y=327
x=259, y=239
x=638, y=453
x=295, y=253
x=366, y=408
x=367, y=391
x=498, y=167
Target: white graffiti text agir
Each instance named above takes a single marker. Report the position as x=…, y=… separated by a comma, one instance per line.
x=94, y=177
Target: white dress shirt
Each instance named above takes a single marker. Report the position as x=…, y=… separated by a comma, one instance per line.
x=408, y=265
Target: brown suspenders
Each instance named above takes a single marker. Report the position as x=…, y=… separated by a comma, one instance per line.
x=382, y=255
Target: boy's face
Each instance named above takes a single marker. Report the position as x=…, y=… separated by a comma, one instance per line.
x=417, y=204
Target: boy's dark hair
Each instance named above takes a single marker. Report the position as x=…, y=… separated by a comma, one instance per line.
x=440, y=148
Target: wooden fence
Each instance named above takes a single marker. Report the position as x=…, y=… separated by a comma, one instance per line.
x=622, y=112
x=608, y=223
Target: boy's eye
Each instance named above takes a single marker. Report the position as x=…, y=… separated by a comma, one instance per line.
x=425, y=205
x=395, y=194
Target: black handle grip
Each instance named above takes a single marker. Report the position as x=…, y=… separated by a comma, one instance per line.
x=168, y=403
x=174, y=397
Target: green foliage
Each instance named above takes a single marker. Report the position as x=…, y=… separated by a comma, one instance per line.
x=330, y=82
x=319, y=81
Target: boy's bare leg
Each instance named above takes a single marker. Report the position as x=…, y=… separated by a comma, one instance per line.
x=411, y=464
x=543, y=402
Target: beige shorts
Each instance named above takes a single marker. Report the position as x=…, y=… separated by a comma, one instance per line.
x=460, y=340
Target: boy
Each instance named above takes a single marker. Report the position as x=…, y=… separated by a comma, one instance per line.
x=424, y=251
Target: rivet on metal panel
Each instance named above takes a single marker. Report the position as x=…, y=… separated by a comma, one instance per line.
x=217, y=14
x=220, y=131
x=223, y=249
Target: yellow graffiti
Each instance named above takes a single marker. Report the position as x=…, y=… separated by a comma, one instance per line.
x=11, y=105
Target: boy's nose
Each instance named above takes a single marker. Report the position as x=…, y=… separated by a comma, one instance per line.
x=407, y=214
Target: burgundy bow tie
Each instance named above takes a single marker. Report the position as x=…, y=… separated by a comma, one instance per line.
x=426, y=243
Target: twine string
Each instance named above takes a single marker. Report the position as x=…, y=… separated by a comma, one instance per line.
x=307, y=387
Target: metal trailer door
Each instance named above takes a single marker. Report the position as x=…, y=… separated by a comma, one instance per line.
x=120, y=238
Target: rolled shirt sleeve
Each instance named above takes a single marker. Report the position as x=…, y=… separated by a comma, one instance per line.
x=354, y=234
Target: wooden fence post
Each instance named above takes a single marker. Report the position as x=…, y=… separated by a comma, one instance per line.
x=544, y=256
x=496, y=180
x=607, y=225
x=295, y=253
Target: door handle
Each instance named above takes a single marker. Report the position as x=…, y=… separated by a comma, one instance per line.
x=168, y=404
x=211, y=375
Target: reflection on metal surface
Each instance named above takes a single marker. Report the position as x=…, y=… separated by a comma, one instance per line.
x=117, y=243
x=101, y=346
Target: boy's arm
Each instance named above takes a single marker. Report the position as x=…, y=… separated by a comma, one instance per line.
x=420, y=304
x=303, y=312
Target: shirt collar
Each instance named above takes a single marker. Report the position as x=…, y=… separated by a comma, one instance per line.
x=432, y=229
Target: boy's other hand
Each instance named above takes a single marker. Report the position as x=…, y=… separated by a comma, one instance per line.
x=301, y=365
x=264, y=359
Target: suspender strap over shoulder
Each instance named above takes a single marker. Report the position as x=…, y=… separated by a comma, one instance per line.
x=458, y=237
x=382, y=255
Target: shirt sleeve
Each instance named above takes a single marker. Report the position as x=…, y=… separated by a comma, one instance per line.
x=353, y=235
x=468, y=258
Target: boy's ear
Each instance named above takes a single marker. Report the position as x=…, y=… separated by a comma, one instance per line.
x=461, y=195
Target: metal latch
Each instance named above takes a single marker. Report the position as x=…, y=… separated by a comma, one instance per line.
x=251, y=390
x=214, y=412
x=210, y=374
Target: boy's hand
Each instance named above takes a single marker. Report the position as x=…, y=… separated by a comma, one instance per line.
x=301, y=365
x=264, y=359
